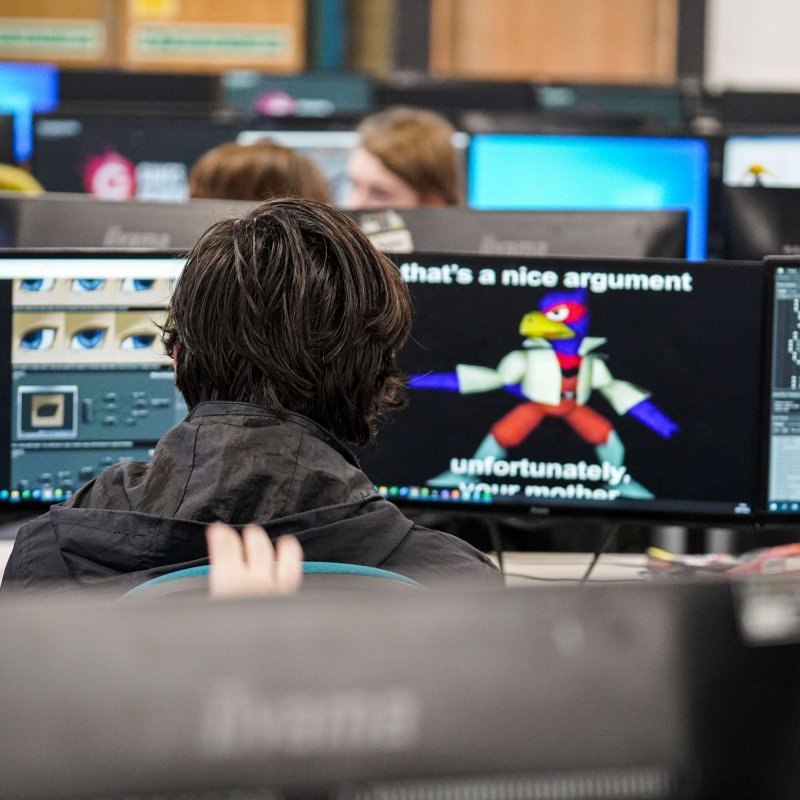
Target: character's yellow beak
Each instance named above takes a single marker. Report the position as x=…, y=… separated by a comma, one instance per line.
x=536, y=325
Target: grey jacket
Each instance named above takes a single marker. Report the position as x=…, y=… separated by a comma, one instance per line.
x=236, y=463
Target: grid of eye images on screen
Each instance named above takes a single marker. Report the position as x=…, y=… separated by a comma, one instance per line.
x=91, y=384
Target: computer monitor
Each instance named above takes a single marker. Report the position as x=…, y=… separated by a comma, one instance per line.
x=631, y=234
x=638, y=691
x=524, y=172
x=758, y=221
x=329, y=150
x=121, y=158
x=590, y=101
x=7, y=139
x=149, y=158
x=80, y=220
x=108, y=90
x=578, y=385
x=88, y=383
x=25, y=90
x=311, y=94
x=762, y=161
x=783, y=424
x=742, y=108
x=452, y=95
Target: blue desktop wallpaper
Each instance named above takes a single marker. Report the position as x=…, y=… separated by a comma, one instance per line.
x=525, y=172
x=25, y=90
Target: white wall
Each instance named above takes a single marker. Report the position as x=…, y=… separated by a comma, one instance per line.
x=753, y=44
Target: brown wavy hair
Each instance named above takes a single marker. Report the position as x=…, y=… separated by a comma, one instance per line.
x=417, y=146
x=291, y=308
x=256, y=171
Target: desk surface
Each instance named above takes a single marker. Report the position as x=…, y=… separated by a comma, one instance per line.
x=529, y=569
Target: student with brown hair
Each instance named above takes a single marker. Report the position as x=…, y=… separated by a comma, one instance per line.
x=405, y=158
x=256, y=171
x=283, y=330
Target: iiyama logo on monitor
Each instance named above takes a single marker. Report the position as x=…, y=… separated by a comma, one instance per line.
x=115, y=236
x=491, y=245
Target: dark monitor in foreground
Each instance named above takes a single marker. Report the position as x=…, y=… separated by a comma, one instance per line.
x=79, y=220
x=610, y=693
x=578, y=385
x=624, y=234
x=760, y=220
x=626, y=173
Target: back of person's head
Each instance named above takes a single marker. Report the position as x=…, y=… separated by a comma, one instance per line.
x=256, y=171
x=416, y=147
x=291, y=308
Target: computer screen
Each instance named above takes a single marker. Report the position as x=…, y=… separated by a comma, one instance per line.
x=6, y=139
x=758, y=221
x=149, y=158
x=25, y=90
x=626, y=234
x=312, y=94
x=523, y=172
x=88, y=382
x=762, y=161
x=121, y=158
x=572, y=385
x=578, y=385
x=614, y=692
x=80, y=220
x=783, y=484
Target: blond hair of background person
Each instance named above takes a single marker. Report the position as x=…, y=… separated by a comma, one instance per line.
x=405, y=158
x=258, y=171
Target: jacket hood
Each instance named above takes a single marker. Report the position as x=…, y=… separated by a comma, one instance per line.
x=99, y=544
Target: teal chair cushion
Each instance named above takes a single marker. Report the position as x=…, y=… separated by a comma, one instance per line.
x=342, y=576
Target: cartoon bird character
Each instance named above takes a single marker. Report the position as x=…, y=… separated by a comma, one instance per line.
x=555, y=373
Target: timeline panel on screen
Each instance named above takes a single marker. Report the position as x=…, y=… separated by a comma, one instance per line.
x=579, y=384
x=783, y=491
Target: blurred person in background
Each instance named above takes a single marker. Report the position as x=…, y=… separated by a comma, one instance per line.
x=405, y=158
x=257, y=171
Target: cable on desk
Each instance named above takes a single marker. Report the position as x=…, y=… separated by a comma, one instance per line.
x=611, y=533
x=569, y=580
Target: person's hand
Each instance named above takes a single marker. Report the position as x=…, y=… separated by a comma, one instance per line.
x=249, y=565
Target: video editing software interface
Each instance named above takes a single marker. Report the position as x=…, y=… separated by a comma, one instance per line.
x=579, y=384
x=90, y=384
